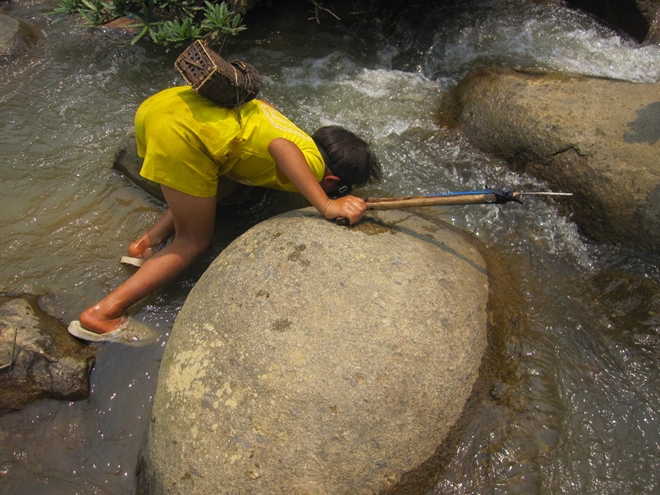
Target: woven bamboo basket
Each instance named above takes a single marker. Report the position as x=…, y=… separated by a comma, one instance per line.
x=229, y=84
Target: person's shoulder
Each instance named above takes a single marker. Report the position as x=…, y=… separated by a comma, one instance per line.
x=175, y=90
x=266, y=103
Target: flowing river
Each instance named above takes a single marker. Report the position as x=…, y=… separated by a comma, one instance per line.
x=579, y=410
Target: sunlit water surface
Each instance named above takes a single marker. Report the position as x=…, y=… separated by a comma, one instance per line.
x=579, y=411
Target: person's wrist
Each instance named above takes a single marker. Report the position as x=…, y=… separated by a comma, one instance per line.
x=327, y=205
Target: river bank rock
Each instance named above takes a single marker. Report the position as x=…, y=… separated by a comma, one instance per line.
x=128, y=162
x=314, y=358
x=47, y=362
x=597, y=138
x=9, y=35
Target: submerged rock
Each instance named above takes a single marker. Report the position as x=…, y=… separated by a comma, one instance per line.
x=597, y=138
x=40, y=359
x=9, y=35
x=16, y=38
x=313, y=358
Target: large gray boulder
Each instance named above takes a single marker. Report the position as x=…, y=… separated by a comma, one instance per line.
x=38, y=357
x=597, y=138
x=315, y=359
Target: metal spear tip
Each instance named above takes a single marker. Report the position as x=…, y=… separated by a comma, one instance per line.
x=545, y=193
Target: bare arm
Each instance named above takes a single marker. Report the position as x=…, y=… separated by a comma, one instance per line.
x=291, y=162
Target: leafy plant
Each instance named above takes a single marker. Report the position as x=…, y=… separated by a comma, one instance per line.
x=219, y=20
x=175, y=32
x=66, y=7
x=167, y=22
x=96, y=11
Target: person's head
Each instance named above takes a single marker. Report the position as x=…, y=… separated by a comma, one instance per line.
x=349, y=161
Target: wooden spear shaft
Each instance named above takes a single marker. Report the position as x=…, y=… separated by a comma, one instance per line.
x=439, y=200
x=450, y=199
x=481, y=197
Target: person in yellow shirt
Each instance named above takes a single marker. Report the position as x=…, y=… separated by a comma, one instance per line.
x=200, y=153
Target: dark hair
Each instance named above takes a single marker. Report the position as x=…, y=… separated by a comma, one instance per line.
x=350, y=157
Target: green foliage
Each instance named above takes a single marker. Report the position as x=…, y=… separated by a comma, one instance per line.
x=175, y=32
x=96, y=11
x=167, y=22
x=66, y=7
x=219, y=20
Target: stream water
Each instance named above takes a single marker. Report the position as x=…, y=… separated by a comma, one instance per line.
x=579, y=410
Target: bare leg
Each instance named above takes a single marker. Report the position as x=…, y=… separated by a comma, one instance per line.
x=163, y=229
x=159, y=233
x=193, y=220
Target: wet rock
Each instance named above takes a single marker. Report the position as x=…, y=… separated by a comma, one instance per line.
x=9, y=35
x=129, y=163
x=39, y=358
x=651, y=11
x=16, y=38
x=313, y=358
x=597, y=138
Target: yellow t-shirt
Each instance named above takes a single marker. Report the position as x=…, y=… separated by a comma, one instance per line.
x=187, y=142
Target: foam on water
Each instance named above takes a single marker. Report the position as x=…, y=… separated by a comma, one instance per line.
x=541, y=37
x=394, y=110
